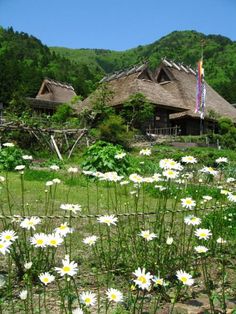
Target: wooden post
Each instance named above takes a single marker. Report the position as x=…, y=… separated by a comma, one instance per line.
x=56, y=148
x=76, y=142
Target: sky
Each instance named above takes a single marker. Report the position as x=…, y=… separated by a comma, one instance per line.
x=116, y=24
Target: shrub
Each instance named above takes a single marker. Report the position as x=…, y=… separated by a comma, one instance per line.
x=225, y=124
x=101, y=157
x=114, y=130
x=63, y=113
x=10, y=157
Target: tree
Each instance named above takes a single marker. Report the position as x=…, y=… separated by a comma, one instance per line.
x=137, y=111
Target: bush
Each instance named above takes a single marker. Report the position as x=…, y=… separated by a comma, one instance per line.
x=225, y=124
x=114, y=130
x=10, y=157
x=101, y=157
x=63, y=113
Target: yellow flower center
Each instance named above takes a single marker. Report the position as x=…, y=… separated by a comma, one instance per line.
x=66, y=269
x=142, y=279
x=203, y=235
x=53, y=242
x=8, y=237
x=62, y=227
x=159, y=281
x=87, y=300
x=184, y=279
x=189, y=202
x=113, y=296
x=39, y=241
x=1, y=246
x=45, y=280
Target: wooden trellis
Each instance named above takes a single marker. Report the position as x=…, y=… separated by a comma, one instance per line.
x=57, y=140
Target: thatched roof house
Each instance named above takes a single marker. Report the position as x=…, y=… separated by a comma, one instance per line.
x=172, y=89
x=51, y=94
x=180, y=81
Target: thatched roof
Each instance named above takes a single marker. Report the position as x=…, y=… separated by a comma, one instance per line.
x=54, y=91
x=138, y=79
x=180, y=81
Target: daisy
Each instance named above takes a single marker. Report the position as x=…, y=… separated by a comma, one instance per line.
x=147, y=235
x=229, y=180
x=8, y=145
x=111, y=176
x=209, y=170
x=145, y=152
x=4, y=247
x=71, y=207
x=109, y=220
x=91, y=240
x=29, y=223
x=201, y=249
x=49, y=183
x=69, y=268
x=8, y=236
x=28, y=265
x=221, y=241
x=221, y=160
x=231, y=197
x=207, y=198
x=27, y=157
x=54, y=240
x=124, y=182
x=73, y=170
x=192, y=220
x=63, y=229
x=134, y=177
x=114, y=295
x=202, y=233
x=78, y=310
x=39, y=240
x=56, y=181
x=2, y=179
x=20, y=167
x=156, y=177
x=169, y=240
x=46, y=278
x=23, y=294
x=185, y=278
x=188, y=202
x=148, y=180
x=143, y=280
x=170, y=174
x=88, y=298
x=54, y=167
x=120, y=156
x=189, y=159
x=158, y=281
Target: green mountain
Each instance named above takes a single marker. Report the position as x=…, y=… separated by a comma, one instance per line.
x=182, y=46
x=25, y=61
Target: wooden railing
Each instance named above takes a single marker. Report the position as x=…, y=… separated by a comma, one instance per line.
x=171, y=131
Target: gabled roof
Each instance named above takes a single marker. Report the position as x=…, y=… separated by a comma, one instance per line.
x=138, y=79
x=182, y=85
x=54, y=91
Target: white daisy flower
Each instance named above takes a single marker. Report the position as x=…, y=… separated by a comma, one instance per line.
x=192, y=220
x=20, y=167
x=158, y=281
x=8, y=236
x=91, y=240
x=120, y=156
x=188, y=202
x=221, y=241
x=30, y=223
x=23, y=294
x=71, y=207
x=147, y=235
x=63, y=229
x=231, y=197
x=109, y=220
x=170, y=174
x=8, y=145
x=78, y=310
x=68, y=268
x=143, y=279
x=134, y=177
x=124, y=182
x=114, y=295
x=111, y=176
x=39, y=240
x=4, y=247
x=27, y=157
x=54, y=240
x=229, y=180
x=73, y=170
x=46, y=278
x=88, y=298
x=54, y=167
x=56, y=181
x=145, y=152
x=200, y=249
x=209, y=170
x=221, y=160
x=49, y=183
x=185, y=278
x=28, y=265
x=207, y=198
x=169, y=240
x=189, y=160
x=203, y=233
x=2, y=179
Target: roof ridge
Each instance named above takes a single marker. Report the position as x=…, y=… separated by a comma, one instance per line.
x=180, y=66
x=58, y=83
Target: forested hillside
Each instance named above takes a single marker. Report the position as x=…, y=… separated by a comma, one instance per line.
x=25, y=61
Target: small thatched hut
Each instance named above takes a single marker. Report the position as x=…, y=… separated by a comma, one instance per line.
x=50, y=95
